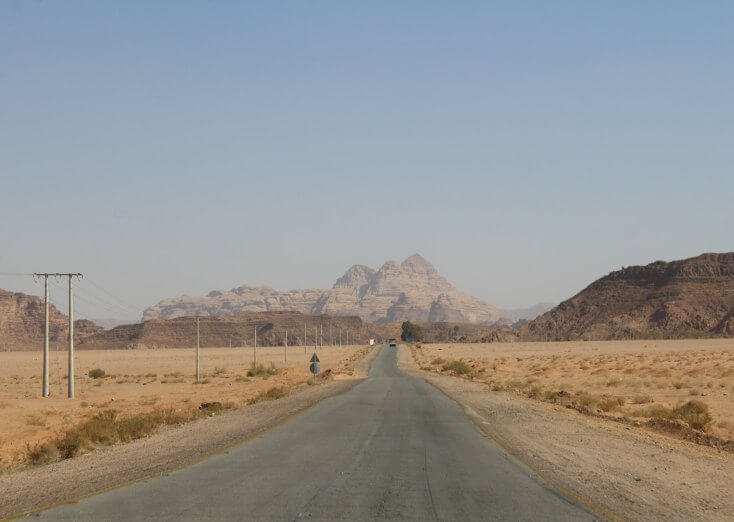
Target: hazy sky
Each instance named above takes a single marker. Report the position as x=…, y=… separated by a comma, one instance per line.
x=525, y=149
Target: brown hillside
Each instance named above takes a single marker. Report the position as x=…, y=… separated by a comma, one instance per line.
x=22, y=323
x=687, y=298
x=237, y=330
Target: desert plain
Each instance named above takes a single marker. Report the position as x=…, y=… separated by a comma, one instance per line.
x=142, y=381
x=649, y=379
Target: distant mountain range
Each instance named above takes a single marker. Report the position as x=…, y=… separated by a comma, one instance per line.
x=679, y=299
x=411, y=290
x=518, y=314
x=687, y=298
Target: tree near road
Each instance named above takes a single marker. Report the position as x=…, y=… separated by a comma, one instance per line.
x=410, y=332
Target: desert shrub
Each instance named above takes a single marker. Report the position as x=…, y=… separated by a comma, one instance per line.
x=437, y=361
x=695, y=413
x=260, y=370
x=587, y=400
x=458, y=367
x=614, y=382
x=654, y=411
x=173, y=375
x=203, y=381
x=218, y=371
x=242, y=379
x=151, y=375
x=41, y=453
x=610, y=404
x=272, y=394
x=96, y=373
x=68, y=445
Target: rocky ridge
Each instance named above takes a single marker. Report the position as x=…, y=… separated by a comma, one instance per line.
x=687, y=298
x=22, y=319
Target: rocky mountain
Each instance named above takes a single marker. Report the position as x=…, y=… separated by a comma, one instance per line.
x=22, y=320
x=687, y=298
x=411, y=290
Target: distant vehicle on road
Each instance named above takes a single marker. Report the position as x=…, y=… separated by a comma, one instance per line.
x=392, y=343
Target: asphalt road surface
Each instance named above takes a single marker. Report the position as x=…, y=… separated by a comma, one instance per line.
x=393, y=447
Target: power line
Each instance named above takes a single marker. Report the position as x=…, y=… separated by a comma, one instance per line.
x=131, y=306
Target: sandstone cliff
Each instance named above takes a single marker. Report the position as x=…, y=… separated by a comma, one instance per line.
x=687, y=298
x=411, y=290
x=22, y=320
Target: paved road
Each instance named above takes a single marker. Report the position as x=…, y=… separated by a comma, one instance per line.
x=394, y=447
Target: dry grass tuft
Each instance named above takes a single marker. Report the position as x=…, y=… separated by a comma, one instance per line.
x=272, y=394
x=457, y=367
x=104, y=429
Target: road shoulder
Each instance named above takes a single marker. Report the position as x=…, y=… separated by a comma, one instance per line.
x=629, y=474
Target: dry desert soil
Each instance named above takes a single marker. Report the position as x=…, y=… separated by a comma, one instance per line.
x=140, y=381
x=600, y=440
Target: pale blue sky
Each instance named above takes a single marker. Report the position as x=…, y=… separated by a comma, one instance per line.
x=524, y=148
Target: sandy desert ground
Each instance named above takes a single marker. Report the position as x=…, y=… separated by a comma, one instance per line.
x=636, y=379
x=139, y=381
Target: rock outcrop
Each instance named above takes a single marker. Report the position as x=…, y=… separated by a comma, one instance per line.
x=22, y=319
x=687, y=298
x=397, y=291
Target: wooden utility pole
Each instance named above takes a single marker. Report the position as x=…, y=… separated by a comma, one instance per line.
x=285, y=348
x=254, y=348
x=304, y=337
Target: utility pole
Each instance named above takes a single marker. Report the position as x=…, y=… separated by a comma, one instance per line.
x=285, y=348
x=331, y=336
x=45, y=338
x=71, y=340
x=315, y=338
x=254, y=348
x=304, y=337
x=340, y=336
x=197, y=350
x=321, y=336
x=45, y=390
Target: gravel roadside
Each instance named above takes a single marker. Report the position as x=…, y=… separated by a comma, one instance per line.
x=622, y=473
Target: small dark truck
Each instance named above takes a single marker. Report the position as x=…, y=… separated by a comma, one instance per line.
x=392, y=343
